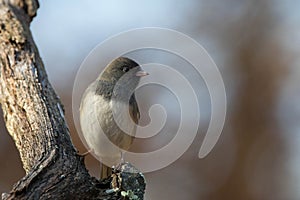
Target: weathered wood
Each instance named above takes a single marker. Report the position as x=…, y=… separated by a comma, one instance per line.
x=34, y=117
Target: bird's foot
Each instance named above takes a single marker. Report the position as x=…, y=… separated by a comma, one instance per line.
x=119, y=167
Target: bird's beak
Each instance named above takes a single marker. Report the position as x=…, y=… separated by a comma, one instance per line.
x=141, y=73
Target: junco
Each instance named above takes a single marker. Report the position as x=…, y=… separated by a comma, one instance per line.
x=99, y=111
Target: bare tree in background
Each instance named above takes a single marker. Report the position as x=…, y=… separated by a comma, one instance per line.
x=34, y=117
x=258, y=166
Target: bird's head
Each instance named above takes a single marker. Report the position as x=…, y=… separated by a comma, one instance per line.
x=123, y=71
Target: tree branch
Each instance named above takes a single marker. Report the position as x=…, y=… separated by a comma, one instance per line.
x=34, y=118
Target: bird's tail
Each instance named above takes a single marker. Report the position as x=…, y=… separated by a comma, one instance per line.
x=105, y=171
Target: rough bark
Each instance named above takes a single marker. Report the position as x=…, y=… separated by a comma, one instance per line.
x=34, y=117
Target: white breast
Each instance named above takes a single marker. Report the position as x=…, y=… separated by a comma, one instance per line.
x=91, y=114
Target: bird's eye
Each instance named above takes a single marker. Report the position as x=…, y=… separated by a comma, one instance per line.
x=125, y=68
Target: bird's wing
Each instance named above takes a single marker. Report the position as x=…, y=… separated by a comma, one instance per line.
x=134, y=109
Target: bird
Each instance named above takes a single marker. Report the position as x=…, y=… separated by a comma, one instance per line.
x=101, y=116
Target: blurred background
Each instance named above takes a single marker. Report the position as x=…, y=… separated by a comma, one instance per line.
x=254, y=43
